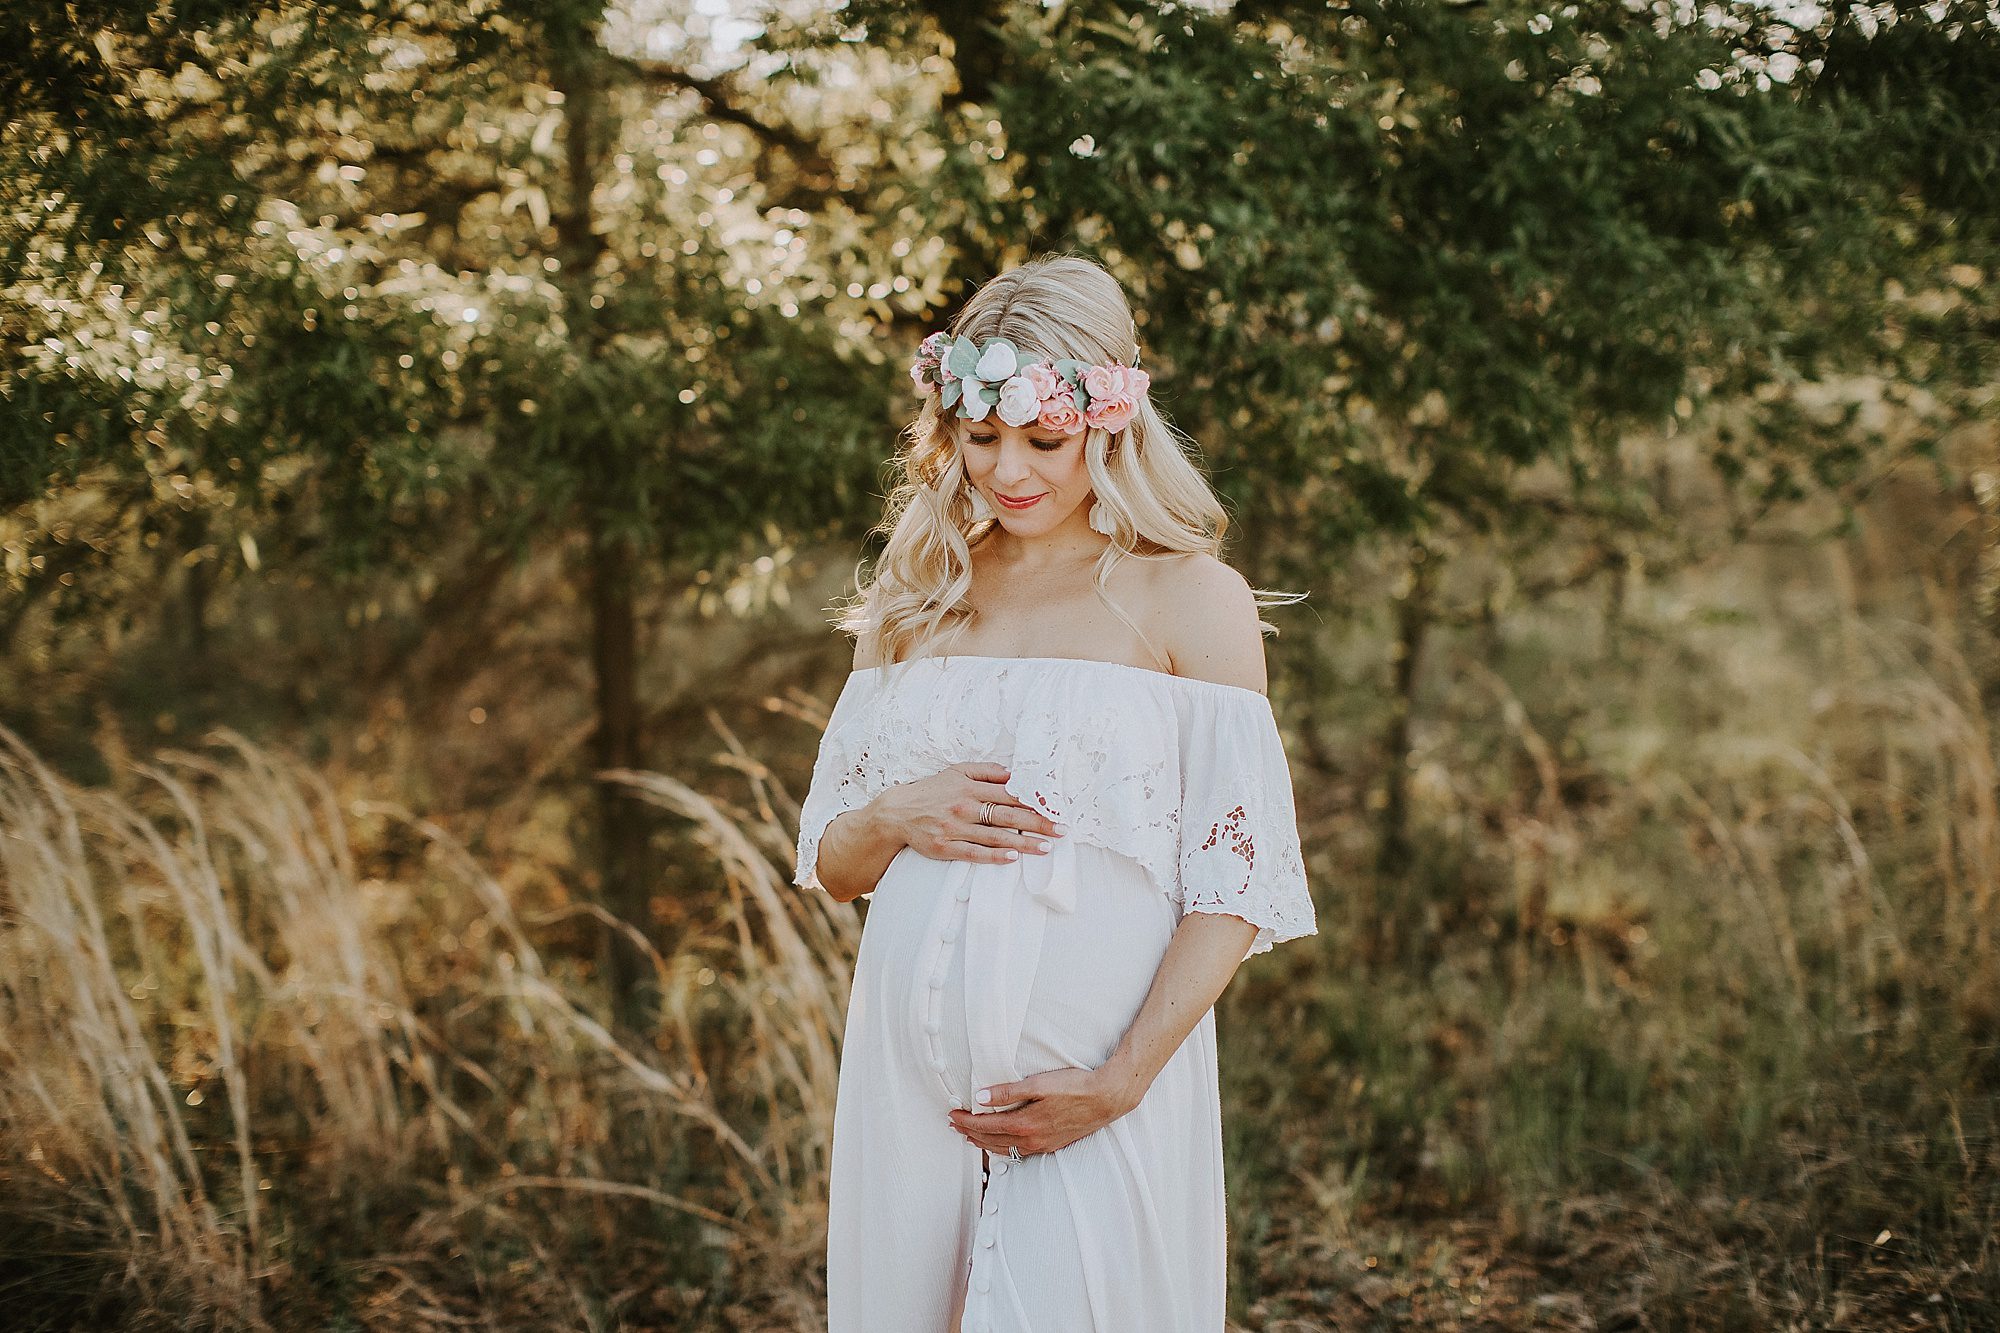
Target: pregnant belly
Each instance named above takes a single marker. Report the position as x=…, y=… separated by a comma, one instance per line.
x=975, y=978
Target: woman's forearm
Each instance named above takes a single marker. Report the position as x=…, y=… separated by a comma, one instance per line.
x=854, y=850
x=1204, y=953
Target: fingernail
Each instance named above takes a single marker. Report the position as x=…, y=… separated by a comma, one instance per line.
x=984, y=1096
x=1041, y=844
x=1061, y=829
x=1013, y=855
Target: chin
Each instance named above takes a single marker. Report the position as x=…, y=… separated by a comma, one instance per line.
x=1028, y=524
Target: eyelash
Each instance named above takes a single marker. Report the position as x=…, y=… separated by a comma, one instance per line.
x=1046, y=446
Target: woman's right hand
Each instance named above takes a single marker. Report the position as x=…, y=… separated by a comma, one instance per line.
x=939, y=816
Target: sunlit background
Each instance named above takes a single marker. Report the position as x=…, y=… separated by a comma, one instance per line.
x=433, y=436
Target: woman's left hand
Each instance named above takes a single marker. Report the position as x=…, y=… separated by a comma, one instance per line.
x=1060, y=1107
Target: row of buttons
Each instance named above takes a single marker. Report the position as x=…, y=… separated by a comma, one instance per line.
x=980, y=1320
x=934, y=1013
x=982, y=1252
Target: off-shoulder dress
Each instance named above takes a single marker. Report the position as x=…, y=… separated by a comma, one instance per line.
x=1178, y=799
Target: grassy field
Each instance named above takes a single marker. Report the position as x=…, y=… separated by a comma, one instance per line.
x=1684, y=1015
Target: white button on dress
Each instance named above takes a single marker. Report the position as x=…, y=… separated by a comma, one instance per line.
x=1178, y=799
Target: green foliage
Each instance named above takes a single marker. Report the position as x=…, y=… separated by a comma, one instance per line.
x=328, y=259
x=1394, y=252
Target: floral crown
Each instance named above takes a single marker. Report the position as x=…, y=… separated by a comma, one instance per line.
x=1060, y=396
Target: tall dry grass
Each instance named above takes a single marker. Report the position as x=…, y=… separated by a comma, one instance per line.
x=215, y=1029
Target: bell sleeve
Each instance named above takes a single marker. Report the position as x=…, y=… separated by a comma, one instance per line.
x=1239, y=848
x=840, y=779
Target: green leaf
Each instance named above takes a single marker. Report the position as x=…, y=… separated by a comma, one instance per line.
x=962, y=358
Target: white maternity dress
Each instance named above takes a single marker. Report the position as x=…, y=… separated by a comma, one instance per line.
x=1178, y=799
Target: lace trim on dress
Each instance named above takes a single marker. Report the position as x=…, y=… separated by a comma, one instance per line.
x=842, y=779
x=1241, y=855
x=1186, y=777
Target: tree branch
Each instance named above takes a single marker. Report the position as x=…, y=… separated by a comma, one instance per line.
x=820, y=177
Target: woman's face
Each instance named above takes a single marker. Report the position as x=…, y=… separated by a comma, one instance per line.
x=1026, y=463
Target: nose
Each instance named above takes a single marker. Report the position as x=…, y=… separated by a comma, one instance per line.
x=1012, y=467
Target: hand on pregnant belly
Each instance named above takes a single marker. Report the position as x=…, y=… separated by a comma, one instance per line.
x=1060, y=1107
x=940, y=816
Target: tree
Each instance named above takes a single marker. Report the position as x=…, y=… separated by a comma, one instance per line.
x=342, y=274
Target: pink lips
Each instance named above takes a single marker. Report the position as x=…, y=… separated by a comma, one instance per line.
x=1019, y=504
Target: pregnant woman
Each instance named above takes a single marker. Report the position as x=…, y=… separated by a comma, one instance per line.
x=1055, y=776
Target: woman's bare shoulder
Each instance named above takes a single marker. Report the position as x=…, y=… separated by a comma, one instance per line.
x=1207, y=617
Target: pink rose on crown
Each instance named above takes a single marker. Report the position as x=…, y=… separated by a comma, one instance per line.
x=1115, y=381
x=1059, y=414
x=1047, y=383
x=1110, y=414
x=1114, y=392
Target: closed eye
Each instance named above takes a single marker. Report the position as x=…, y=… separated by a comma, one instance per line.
x=1044, y=445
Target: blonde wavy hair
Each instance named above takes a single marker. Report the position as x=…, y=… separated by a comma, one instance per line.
x=1159, y=503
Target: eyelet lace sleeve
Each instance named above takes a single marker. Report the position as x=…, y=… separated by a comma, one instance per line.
x=842, y=777
x=1239, y=850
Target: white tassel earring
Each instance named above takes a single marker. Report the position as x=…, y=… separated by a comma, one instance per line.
x=981, y=510
x=1100, y=519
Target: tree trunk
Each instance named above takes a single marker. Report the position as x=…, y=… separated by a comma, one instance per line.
x=624, y=848
x=578, y=70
